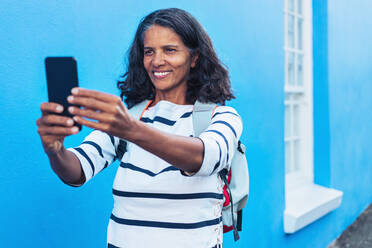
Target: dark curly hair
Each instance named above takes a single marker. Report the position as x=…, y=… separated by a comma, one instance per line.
x=208, y=81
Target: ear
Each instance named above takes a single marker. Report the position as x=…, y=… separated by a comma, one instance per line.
x=194, y=59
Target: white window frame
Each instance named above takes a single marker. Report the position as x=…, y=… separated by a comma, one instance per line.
x=304, y=174
x=305, y=201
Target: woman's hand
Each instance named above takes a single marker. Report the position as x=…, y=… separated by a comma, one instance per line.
x=108, y=112
x=53, y=128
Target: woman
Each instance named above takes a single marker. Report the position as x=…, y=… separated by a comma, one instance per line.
x=167, y=192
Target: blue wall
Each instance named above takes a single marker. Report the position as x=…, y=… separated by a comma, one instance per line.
x=350, y=103
x=248, y=38
x=40, y=211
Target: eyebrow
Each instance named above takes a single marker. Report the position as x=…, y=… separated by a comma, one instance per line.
x=166, y=46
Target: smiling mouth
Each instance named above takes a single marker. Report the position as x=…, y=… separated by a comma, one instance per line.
x=160, y=74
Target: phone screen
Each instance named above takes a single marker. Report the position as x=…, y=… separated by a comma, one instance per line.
x=61, y=74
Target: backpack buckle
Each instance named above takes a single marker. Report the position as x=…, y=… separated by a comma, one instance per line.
x=240, y=147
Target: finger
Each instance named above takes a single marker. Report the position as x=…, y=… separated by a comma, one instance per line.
x=91, y=103
x=91, y=114
x=56, y=130
x=51, y=107
x=53, y=137
x=96, y=94
x=95, y=125
x=55, y=120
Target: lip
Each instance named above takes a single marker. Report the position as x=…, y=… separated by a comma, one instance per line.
x=160, y=74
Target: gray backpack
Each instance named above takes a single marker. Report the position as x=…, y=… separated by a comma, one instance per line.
x=236, y=180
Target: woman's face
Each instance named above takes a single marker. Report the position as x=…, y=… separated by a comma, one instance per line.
x=167, y=60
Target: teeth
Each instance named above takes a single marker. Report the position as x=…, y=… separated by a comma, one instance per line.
x=159, y=74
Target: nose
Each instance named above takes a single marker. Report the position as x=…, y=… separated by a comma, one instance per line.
x=158, y=59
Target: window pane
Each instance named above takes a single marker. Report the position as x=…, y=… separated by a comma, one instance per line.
x=296, y=154
x=300, y=70
x=297, y=97
x=285, y=68
x=287, y=96
x=299, y=6
x=299, y=33
x=291, y=26
x=291, y=5
x=287, y=125
x=290, y=68
x=287, y=157
x=296, y=120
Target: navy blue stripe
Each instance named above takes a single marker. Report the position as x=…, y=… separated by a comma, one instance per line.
x=219, y=159
x=158, y=119
x=148, y=172
x=168, y=196
x=227, y=124
x=185, y=115
x=224, y=138
x=111, y=246
x=99, y=149
x=106, y=164
x=171, y=225
x=225, y=112
x=112, y=139
x=81, y=151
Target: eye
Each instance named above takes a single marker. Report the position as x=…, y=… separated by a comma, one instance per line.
x=170, y=50
x=148, y=52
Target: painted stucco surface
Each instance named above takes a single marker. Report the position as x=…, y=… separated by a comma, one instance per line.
x=38, y=210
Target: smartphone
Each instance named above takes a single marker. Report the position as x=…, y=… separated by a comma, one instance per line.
x=61, y=75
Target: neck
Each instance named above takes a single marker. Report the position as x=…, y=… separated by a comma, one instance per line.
x=177, y=98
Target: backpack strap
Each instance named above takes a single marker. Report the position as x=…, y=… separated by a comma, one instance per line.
x=136, y=111
x=201, y=116
x=223, y=174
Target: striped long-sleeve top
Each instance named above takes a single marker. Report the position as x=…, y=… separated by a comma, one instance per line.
x=156, y=204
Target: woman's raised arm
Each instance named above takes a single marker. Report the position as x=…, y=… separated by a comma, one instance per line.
x=112, y=117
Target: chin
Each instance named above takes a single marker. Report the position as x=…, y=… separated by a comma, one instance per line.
x=163, y=86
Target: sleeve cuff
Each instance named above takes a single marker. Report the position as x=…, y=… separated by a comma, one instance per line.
x=209, y=158
x=87, y=170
